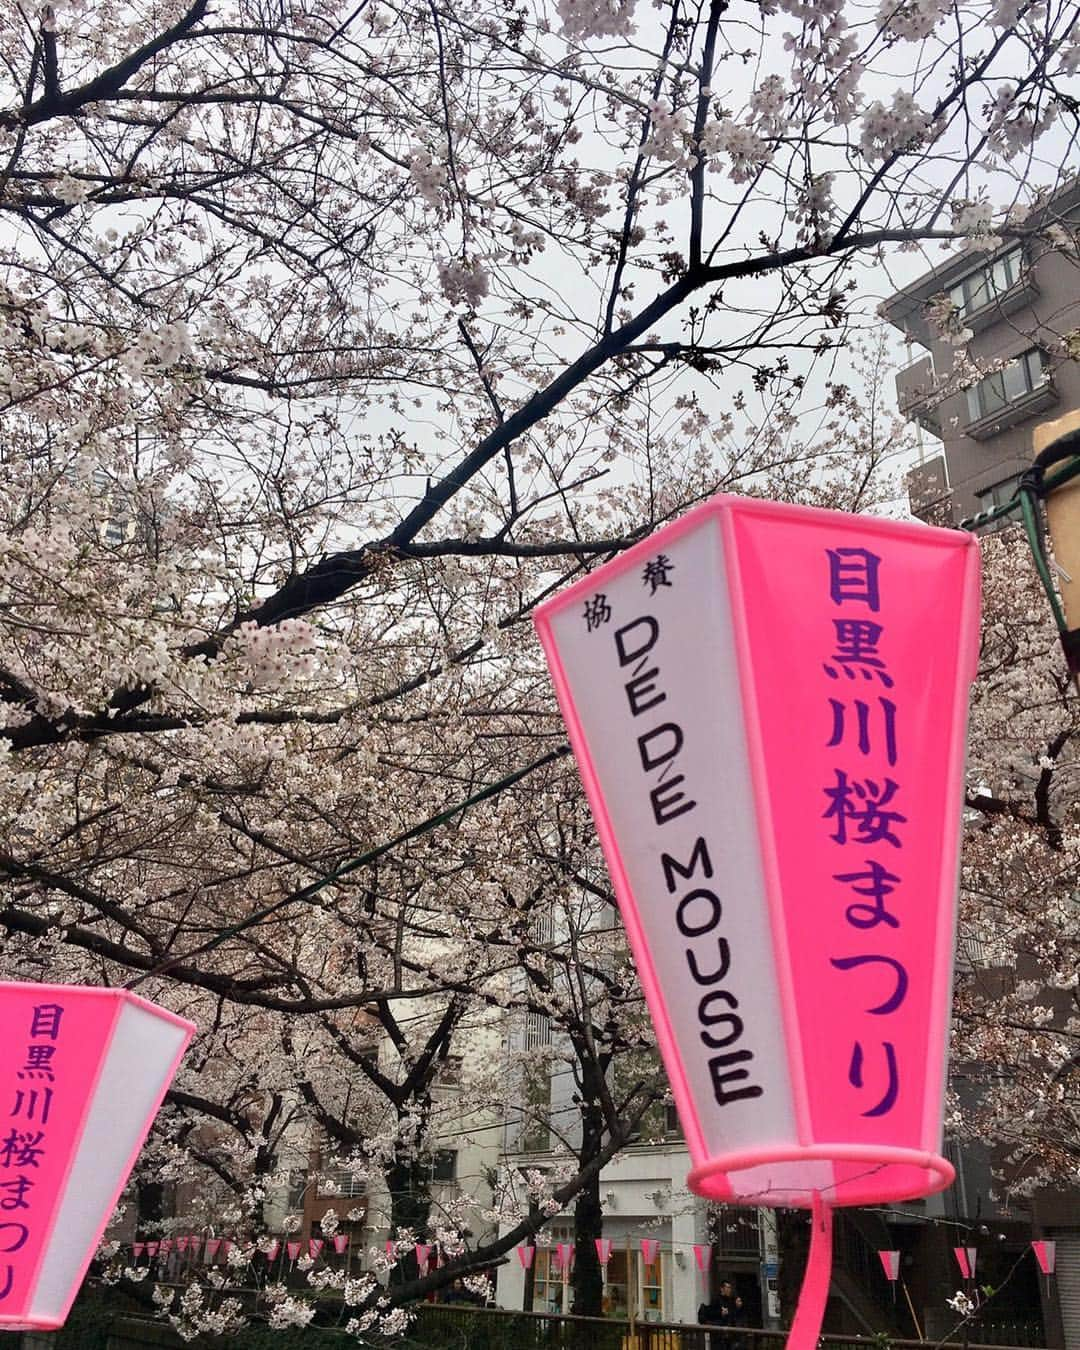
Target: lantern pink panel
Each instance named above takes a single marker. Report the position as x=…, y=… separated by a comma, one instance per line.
x=768, y=709
x=83, y=1071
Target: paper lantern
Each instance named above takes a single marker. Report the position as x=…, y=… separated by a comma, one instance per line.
x=83, y=1072
x=965, y=1259
x=650, y=1248
x=137, y=1249
x=1045, y=1251
x=603, y=1250
x=525, y=1255
x=194, y=1243
x=340, y=1241
x=423, y=1255
x=293, y=1249
x=702, y=1256
x=166, y=1246
x=315, y=1246
x=181, y=1244
x=890, y=1263
x=564, y=1252
x=152, y=1248
x=210, y=1249
x=768, y=708
x=273, y=1250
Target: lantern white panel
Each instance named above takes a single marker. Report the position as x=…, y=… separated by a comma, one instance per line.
x=139, y=1063
x=655, y=688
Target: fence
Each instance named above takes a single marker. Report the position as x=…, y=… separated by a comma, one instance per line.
x=98, y=1323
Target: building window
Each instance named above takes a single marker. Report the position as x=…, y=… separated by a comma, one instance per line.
x=339, y=1181
x=448, y=1073
x=652, y=1290
x=1022, y=376
x=988, y=283
x=444, y=1165
x=550, y=1290
x=999, y=495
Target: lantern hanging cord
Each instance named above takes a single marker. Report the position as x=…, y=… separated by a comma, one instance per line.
x=810, y=1311
x=1034, y=485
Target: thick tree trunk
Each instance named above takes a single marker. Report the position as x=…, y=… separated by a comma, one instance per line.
x=410, y=1208
x=588, y=1221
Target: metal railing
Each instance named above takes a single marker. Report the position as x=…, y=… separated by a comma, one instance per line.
x=442, y=1327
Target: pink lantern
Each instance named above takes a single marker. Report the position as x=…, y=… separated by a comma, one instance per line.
x=890, y=1263
x=650, y=1249
x=273, y=1250
x=315, y=1246
x=341, y=1242
x=768, y=706
x=152, y=1248
x=137, y=1249
x=526, y=1253
x=166, y=1246
x=565, y=1254
x=181, y=1244
x=423, y=1255
x=195, y=1243
x=293, y=1249
x=702, y=1256
x=391, y=1249
x=210, y=1250
x=965, y=1259
x=603, y=1250
x=83, y=1071
x=1045, y=1254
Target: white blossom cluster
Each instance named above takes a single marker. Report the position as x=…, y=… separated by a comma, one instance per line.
x=596, y=18
x=430, y=177
x=899, y=128
x=464, y=281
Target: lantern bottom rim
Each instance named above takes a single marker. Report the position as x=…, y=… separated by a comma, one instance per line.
x=790, y=1175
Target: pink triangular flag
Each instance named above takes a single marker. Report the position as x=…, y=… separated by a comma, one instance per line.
x=293, y=1248
x=702, y=1257
x=166, y=1246
x=195, y=1243
x=423, y=1255
x=211, y=1249
x=890, y=1262
x=1045, y=1255
x=566, y=1258
x=315, y=1246
x=965, y=1259
x=650, y=1248
x=273, y=1250
x=152, y=1248
x=603, y=1250
x=181, y=1244
x=341, y=1241
x=137, y=1249
x=526, y=1254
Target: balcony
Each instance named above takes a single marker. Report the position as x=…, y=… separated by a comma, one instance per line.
x=928, y=492
x=1021, y=409
x=914, y=389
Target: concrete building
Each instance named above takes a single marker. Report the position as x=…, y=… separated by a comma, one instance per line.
x=1016, y=308
x=1020, y=302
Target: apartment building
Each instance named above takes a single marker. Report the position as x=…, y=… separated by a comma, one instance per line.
x=991, y=366
x=977, y=401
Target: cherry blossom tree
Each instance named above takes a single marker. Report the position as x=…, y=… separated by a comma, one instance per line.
x=333, y=340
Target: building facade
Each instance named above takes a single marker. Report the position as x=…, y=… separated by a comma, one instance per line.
x=997, y=334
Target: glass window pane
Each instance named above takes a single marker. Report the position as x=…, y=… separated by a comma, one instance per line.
x=1036, y=370
x=1015, y=378
x=978, y=294
x=992, y=392
x=974, y=409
